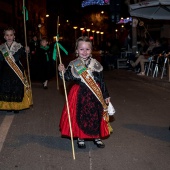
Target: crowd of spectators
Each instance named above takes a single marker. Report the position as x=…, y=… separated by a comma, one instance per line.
x=147, y=50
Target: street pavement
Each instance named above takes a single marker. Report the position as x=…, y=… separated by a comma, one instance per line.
x=140, y=138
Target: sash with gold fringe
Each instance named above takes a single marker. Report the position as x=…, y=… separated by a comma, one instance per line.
x=91, y=84
x=13, y=65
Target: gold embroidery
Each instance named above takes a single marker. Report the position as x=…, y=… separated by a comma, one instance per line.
x=13, y=65
x=90, y=82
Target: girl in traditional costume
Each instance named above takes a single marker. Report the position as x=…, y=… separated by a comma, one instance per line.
x=87, y=99
x=14, y=87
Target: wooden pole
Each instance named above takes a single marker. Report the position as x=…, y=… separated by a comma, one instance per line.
x=28, y=68
x=57, y=55
x=134, y=35
x=168, y=68
x=68, y=110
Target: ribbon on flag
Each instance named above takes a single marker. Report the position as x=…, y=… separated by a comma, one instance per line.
x=55, y=50
x=26, y=13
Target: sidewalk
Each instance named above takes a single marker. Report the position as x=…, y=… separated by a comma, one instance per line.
x=145, y=79
x=164, y=82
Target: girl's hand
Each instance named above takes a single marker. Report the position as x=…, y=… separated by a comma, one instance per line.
x=61, y=67
x=107, y=100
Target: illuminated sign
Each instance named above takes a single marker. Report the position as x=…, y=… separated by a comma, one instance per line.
x=95, y=2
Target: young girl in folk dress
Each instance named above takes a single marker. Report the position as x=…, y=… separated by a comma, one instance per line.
x=87, y=111
x=14, y=88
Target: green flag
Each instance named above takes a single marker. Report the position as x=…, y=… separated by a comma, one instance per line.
x=26, y=13
x=55, y=50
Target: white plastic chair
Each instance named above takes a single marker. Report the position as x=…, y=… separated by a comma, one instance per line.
x=164, y=66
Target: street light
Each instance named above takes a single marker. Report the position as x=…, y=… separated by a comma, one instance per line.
x=75, y=27
x=93, y=31
x=82, y=31
x=97, y=32
x=88, y=30
x=39, y=26
x=116, y=33
x=101, y=35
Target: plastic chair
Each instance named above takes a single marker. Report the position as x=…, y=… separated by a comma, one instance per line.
x=150, y=65
x=164, y=66
x=158, y=65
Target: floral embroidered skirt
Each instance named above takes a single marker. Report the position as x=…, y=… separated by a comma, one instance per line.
x=85, y=114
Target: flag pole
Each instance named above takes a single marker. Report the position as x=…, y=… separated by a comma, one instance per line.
x=25, y=35
x=68, y=110
x=57, y=54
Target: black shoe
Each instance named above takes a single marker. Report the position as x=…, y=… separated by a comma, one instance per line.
x=99, y=143
x=9, y=110
x=45, y=84
x=16, y=111
x=81, y=144
x=45, y=87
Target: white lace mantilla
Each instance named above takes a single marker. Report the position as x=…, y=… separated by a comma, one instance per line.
x=14, y=47
x=94, y=65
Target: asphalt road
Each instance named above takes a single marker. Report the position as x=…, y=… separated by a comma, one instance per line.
x=140, y=138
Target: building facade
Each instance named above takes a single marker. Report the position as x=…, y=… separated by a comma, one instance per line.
x=11, y=12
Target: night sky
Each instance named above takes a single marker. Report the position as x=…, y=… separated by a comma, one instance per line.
x=73, y=7
x=72, y=10
x=63, y=6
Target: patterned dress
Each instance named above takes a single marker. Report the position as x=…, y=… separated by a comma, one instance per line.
x=85, y=109
x=12, y=96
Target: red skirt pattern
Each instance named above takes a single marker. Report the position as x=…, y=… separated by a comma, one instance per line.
x=77, y=130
